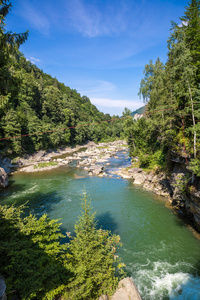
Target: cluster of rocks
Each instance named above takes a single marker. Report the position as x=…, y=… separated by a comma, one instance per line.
x=91, y=159
x=158, y=183
x=6, y=167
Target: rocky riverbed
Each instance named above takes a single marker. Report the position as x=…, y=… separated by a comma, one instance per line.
x=91, y=157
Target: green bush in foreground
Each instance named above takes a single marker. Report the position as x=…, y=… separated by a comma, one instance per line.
x=32, y=257
x=36, y=265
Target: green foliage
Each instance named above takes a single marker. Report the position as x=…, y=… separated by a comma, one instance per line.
x=32, y=258
x=37, y=265
x=195, y=166
x=34, y=102
x=93, y=260
x=172, y=94
x=182, y=183
x=45, y=164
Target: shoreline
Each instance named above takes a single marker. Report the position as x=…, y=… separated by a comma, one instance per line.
x=95, y=153
x=93, y=157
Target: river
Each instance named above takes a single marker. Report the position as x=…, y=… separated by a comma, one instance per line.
x=160, y=253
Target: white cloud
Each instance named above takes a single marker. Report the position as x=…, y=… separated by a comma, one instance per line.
x=183, y=23
x=34, y=16
x=105, y=102
x=34, y=59
x=92, y=21
x=96, y=87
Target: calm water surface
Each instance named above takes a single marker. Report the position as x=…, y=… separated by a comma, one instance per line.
x=161, y=254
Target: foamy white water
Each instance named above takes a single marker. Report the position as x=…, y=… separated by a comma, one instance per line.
x=160, y=282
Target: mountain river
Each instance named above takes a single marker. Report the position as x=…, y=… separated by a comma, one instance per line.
x=160, y=252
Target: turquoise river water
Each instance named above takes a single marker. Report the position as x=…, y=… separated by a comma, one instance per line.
x=161, y=254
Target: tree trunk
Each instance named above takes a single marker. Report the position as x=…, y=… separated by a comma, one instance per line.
x=193, y=119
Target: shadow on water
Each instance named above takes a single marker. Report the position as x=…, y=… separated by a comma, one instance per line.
x=41, y=203
x=12, y=188
x=106, y=222
x=37, y=203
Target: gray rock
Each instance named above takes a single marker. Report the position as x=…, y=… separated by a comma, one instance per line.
x=103, y=297
x=95, y=170
x=135, y=170
x=126, y=291
x=3, y=178
x=60, y=160
x=139, y=179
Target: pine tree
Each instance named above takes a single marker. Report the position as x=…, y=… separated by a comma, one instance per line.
x=92, y=258
x=9, y=43
x=191, y=22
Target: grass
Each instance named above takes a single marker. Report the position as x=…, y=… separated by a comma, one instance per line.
x=45, y=164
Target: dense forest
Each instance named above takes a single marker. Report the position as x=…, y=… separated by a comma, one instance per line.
x=34, y=102
x=171, y=91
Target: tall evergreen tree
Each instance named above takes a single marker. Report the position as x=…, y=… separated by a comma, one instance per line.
x=9, y=43
x=93, y=258
x=191, y=22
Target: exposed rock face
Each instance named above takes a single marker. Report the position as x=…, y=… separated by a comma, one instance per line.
x=174, y=188
x=126, y=290
x=2, y=289
x=194, y=205
x=3, y=178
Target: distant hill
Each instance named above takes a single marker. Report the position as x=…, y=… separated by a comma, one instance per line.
x=139, y=111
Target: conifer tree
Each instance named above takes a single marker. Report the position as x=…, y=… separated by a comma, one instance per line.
x=9, y=43
x=191, y=22
x=93, y=258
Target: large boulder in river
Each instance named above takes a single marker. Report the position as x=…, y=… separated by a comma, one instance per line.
x=126, y=290
x=3, y=178
x=95, y=170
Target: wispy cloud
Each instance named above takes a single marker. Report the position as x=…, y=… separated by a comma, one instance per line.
x=105, y=102
x=96, y=87
x=34, y=16
x=93, y=21
x=33, y=60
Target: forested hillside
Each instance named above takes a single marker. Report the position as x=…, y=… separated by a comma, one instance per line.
x=140, y=110
x=34, y=102
x=171, y=92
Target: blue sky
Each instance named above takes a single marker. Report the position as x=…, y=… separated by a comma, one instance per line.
x=98, y=47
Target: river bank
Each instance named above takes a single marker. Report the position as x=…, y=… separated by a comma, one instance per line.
x=94, y=158
x=89, y=156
